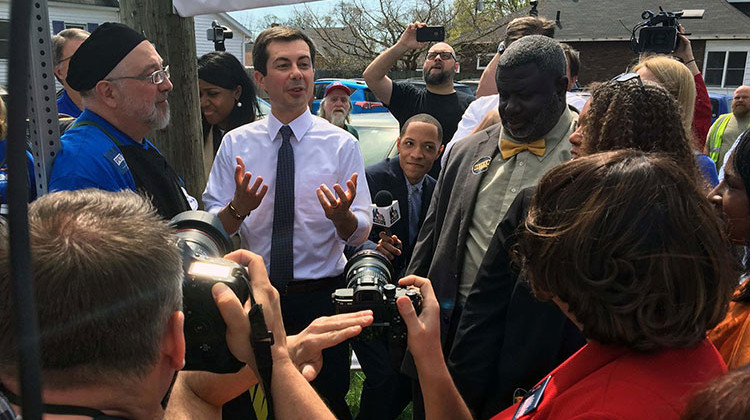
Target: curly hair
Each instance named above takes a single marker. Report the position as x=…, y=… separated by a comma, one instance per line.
x=637, y=253
x=678, y=80
x=624, y=115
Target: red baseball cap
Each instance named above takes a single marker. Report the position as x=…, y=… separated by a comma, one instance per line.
x=338, y=85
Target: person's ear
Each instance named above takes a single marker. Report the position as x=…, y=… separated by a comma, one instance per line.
x=57, y=70
x=398, y=144
x=440, y=150
x=173, y=341
x=106, y=93
x=237, y=92
x=259, y=79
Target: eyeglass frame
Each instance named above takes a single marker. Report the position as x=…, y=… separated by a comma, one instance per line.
x=151, y=77
x=628, y=76
x=453, y=56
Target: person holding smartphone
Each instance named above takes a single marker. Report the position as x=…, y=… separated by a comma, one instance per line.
x=438, y=98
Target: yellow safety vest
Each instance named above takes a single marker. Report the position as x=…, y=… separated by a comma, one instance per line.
x=715, y=135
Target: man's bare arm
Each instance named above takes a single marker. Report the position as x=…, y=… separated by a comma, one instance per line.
x=376, y=73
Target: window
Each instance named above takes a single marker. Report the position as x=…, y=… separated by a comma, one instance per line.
x=725, y=68
x=4, y=35
x=69, y=25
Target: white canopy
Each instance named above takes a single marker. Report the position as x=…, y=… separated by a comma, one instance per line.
x=186, y=8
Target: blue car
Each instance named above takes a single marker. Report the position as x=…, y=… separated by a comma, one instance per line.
x=363, y=100
x=720, y=104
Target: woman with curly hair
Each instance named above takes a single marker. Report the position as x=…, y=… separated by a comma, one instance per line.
x=681, y=84
x=631, y=114
x=633, y=255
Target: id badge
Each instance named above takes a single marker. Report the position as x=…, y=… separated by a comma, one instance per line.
x=532, y=400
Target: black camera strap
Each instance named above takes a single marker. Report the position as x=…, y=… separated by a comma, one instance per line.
x=262, y=340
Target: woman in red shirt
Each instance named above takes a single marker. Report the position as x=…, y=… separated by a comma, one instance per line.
x=628, y=247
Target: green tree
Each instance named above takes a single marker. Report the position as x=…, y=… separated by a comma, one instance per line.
x=353, y=33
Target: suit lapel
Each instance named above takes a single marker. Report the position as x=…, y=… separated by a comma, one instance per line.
x=427, y=188
x=486, y=147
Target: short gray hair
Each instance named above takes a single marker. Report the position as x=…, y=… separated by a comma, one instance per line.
x=541, y=50
x=60, y=39
x=108, y=279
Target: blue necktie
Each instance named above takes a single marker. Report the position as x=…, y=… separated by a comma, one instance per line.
x=282, y=237
x=413, y=213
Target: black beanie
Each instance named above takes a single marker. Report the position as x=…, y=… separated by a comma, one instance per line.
x=100, y=53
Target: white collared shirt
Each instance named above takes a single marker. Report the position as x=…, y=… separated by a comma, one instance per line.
x=323, y=154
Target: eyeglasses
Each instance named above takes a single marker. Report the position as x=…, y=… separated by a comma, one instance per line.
x=626, y=77
x=158, y=77
x=447, y=55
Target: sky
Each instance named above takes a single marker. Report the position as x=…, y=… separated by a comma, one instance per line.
x=255, y=17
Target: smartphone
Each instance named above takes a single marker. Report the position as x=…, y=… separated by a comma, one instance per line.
x=430, y=33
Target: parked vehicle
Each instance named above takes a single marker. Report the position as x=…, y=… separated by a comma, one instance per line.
x=363, y=100
x=473, y=84
x=720, y=104
x=377, y=135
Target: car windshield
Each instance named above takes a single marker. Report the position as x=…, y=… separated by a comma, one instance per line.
x=377, y=135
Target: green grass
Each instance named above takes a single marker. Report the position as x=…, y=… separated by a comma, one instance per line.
x=355, y=390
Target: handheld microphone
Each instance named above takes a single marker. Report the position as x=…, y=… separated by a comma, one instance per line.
x=385, y=211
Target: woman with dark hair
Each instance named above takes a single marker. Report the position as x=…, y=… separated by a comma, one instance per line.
x=633, y=255
x=732, y=336
x=228, y=99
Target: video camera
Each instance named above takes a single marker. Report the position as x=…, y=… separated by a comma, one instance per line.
x=202, y=241
x=369, y=285
x=660, y=39
x=217, y=34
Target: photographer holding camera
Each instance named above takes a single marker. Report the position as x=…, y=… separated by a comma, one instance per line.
x=108, y=286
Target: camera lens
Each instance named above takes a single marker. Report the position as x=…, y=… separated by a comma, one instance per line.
x=202, y=232
x=366, y=273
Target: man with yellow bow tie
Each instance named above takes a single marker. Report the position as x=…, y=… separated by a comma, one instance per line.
x=484, y=172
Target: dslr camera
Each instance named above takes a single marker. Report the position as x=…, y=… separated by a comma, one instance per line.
x=369, y=285
x=658, y=32
x=202, y=242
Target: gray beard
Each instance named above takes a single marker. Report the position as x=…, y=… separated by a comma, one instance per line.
x=161, y=122
x=338, y=118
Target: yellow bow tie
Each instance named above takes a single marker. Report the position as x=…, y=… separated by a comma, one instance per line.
x=510, y=148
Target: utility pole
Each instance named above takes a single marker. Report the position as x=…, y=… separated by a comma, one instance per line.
x=181, y=142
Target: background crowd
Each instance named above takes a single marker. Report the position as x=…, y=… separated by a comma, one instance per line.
x=576, y=259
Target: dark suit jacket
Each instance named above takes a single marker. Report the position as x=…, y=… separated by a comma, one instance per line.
x=387, y=175
x=506, y=339
x=439, y=251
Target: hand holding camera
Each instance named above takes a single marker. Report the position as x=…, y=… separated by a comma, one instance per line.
x=423, y=329
x=236, y=316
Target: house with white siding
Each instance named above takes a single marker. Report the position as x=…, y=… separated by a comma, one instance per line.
x=88, y=14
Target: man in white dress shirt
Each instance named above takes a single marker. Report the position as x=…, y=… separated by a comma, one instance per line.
x=295, y=221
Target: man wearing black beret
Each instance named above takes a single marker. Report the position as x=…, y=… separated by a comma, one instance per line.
x=124, y=86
